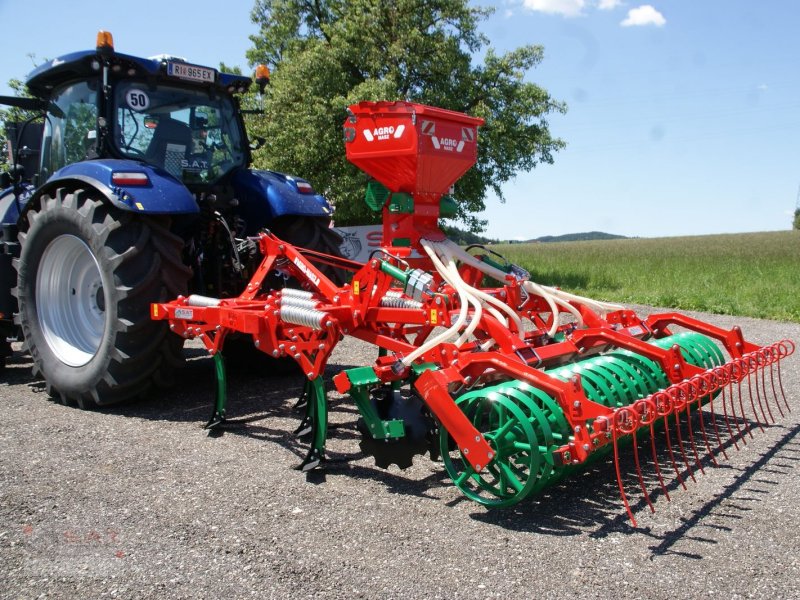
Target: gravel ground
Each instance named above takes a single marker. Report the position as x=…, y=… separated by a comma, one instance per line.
x=139, y=502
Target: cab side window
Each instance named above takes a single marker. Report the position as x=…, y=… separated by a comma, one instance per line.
x=70, y=133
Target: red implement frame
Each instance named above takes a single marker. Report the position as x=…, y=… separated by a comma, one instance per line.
x=422, y=151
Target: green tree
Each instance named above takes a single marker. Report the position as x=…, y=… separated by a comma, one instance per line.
x=797, y=218
x=13, y=115
x=327, y=54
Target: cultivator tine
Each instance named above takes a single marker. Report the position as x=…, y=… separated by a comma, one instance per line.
x=302, y=400
x=306, y=423
x=217, y=419
x=305, y=427
x=660, y=408
x=314, y=424
x=759, y=420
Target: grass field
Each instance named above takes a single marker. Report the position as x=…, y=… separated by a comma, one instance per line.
x=749, y=274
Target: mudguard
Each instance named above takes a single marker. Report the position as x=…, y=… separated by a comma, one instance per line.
x=9, y=250
x=160, y=194
x=10, y=205
x=267, y=195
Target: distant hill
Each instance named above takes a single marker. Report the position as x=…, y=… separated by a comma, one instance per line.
x=578, y=237
x=465, y=238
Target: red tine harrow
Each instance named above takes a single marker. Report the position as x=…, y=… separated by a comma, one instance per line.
x=514, y=385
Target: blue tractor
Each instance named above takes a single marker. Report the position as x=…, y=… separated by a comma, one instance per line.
x=131, y=185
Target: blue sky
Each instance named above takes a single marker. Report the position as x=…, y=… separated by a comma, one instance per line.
x=684, y=117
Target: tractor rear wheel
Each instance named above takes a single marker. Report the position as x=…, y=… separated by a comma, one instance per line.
x=5, y=351
x=87, y=274
x=312, y=233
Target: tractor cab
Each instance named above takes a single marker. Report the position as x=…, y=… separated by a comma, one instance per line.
x=163, y=111
x=190, y=133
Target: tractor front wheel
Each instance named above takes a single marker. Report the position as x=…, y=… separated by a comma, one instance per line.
x=87, y=274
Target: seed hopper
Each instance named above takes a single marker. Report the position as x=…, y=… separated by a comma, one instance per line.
x=511, y=383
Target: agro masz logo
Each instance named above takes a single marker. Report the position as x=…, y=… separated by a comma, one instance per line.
x=384, y=133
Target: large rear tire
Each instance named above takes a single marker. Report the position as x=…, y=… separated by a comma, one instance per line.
x=86, y=277
x=5, y=350
x=312, y=233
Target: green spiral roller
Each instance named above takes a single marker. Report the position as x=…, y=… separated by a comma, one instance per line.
x=525, y=425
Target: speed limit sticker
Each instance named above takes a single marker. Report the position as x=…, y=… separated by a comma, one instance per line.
x=137, y=99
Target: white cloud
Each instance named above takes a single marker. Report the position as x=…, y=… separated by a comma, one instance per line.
x=566, y=8
x=609, y=4
x=643, y=15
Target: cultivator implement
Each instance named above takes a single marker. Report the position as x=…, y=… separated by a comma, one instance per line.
x=514, y=384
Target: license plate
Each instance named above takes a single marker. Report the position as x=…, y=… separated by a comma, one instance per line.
x=191, y=72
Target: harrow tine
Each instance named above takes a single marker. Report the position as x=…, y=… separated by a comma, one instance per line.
x=678, y=399
x=758, y=396
x=655, y=462
x=671, y=453
x=759, y=370
x=622, y=493
x=744, y=415
x=779, y=352
x=766, y=361
x=702, y=423
x=639, y=471
x=680, y=440
x=722, y=385
x=646, y=412
x=659, y=408
x=689, y=428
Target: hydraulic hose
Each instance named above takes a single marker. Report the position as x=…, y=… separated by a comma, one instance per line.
x=462, y=315
x=551, y=295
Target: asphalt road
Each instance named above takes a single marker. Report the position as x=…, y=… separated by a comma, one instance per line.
x=139, y=502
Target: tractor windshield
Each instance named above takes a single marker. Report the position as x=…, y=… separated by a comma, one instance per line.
x=191, y=133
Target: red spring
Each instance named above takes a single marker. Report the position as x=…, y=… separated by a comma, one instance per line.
x=750, y=370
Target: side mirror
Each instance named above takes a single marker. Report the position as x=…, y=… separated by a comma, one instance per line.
x=15, y=174
x=257, y=142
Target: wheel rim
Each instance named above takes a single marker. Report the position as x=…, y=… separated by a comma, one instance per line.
x=69, y=300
